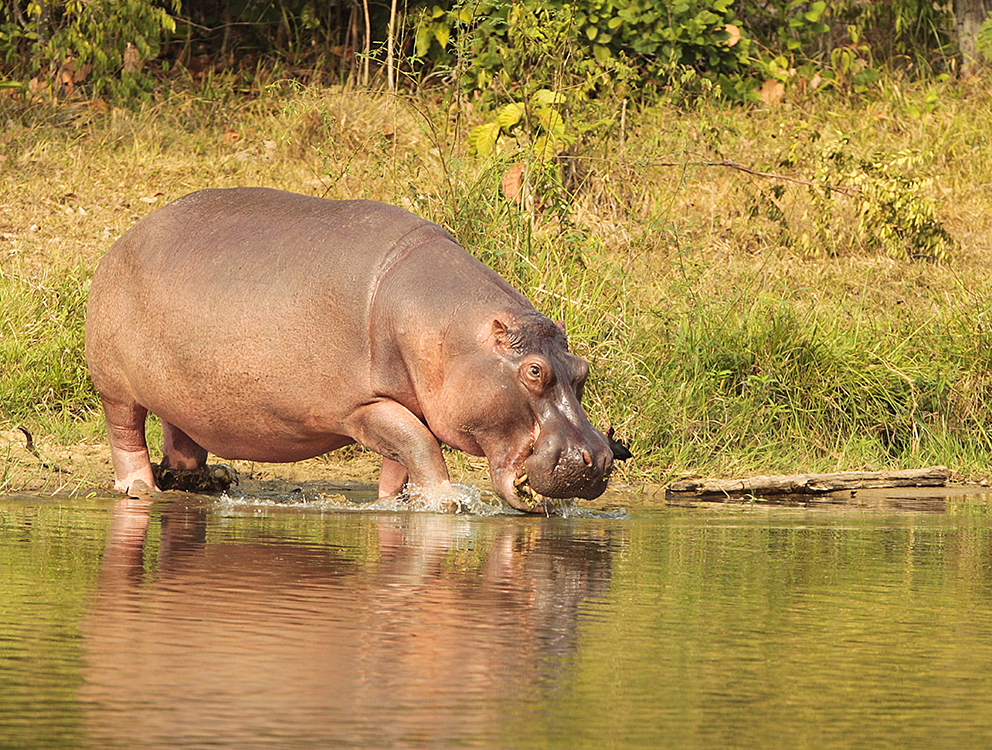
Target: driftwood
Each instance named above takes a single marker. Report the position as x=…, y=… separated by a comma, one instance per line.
x=811, y=484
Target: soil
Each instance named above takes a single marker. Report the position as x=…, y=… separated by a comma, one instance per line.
x=86, y=468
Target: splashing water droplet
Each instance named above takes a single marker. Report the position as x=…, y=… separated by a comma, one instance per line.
x=460, y=498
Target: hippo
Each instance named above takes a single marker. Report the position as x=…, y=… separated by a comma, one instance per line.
x=269, y=326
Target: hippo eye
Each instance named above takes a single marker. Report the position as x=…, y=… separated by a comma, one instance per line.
x=534, y=376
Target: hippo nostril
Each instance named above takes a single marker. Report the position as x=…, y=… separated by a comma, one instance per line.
x=587, y=458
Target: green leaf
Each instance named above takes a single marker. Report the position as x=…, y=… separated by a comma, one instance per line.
x=552, y=122
x=548, y=98
x=482, y=138
x=815, y=11
x=509, y=116
x=866, y=76
x=602, y=54
x=544, y=147
x=423, y=42
x=705, y=18
x=442, y=33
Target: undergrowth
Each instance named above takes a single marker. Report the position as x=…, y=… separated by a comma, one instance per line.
x=823, y=308
x=43, y=377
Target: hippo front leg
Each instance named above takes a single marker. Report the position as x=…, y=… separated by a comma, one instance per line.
x=392, y=478
x=410, y=451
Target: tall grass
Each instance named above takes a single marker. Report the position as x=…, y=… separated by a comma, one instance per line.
x=756, y=383
x=43, y=377
x=720, y=342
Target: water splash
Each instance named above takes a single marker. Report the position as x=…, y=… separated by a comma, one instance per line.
x=460, y=499
x=463, y=499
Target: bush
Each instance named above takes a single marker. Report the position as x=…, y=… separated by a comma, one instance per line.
x=103, y=42
x=589, y=42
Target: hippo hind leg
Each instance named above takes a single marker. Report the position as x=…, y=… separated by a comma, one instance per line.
x=184, y=465
x=128, y=449
x=179, y=451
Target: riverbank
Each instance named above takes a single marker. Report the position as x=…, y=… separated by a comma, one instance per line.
x=796, y=288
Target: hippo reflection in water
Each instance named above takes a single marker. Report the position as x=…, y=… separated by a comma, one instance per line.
x=268, y=326
x=241, y=633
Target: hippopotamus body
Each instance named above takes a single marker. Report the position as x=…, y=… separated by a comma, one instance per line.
x=269, y=326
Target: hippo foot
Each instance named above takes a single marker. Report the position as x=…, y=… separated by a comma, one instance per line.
x=139, y=490
x=207, y=480
x=439, y=499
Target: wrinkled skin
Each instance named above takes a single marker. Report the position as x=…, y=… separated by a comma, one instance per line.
x=267, y=326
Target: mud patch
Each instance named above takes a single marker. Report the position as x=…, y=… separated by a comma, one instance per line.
x=52, y=466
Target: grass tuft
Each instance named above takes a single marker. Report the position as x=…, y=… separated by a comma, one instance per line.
x=735, y=321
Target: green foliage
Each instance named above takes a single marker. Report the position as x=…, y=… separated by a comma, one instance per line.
x=541, y=125
x=804, y=21
x=506, y=43
x=898, y=33
x=879, y=201
x=757, y=376
x=42, y=367
x=901, y=32
x=692, y=45
x=897, y=216
x=984, y=42
x=102, y=42
x=684, y=34
x=851, y=66
x=679, y=47
x=584, y=47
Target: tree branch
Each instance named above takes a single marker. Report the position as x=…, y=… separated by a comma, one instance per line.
x=845, y=189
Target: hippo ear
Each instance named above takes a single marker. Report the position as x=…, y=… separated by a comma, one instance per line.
x=561, y=327
x=501, y=334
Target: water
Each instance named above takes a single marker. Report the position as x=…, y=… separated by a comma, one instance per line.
x=196, y=623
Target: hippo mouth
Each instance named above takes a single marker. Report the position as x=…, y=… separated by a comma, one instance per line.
x=528, y=496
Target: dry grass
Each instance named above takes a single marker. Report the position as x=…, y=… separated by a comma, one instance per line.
x=644, y=261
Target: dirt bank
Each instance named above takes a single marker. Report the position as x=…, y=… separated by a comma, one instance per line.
x=43, y=466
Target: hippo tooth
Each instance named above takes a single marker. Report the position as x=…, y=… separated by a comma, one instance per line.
x=522, y=479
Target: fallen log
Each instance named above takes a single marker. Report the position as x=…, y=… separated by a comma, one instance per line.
x=811, y=484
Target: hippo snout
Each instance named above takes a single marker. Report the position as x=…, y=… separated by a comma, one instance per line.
x=561, y=468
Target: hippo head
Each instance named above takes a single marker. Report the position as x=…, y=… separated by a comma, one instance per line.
x=521, y=409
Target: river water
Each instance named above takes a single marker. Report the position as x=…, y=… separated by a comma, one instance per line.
x=244, y=623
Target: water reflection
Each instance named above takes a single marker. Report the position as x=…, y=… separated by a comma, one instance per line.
x=362, y=630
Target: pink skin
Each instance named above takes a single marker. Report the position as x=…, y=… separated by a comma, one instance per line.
x=267, y=326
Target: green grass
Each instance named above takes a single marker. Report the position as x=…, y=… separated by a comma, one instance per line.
x=735, y=323
x=43, y=377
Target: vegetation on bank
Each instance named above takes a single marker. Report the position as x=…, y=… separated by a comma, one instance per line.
x=799, y=286
x=491, y=47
